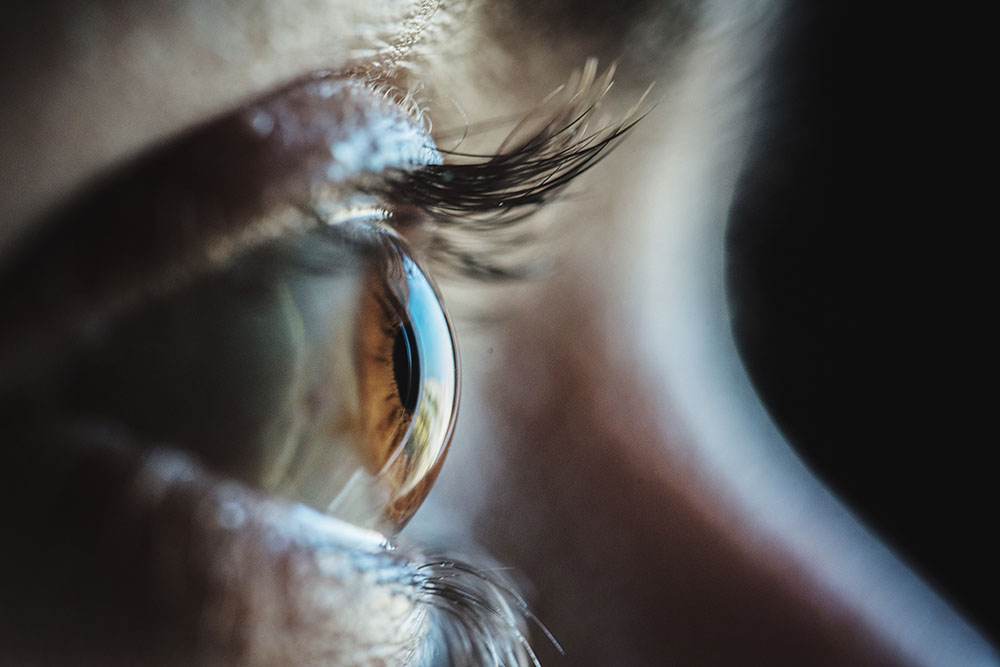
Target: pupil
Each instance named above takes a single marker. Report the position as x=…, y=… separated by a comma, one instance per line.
x=406, y=367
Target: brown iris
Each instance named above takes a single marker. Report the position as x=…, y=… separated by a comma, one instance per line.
x=407, y=378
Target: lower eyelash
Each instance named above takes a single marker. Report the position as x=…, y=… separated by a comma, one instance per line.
x=480, y=618
x=486, y=195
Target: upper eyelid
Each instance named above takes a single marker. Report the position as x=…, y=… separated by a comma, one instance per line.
x=211, y=195
x=190, y=205
x=208, y=196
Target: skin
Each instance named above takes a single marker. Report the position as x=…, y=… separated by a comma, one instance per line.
x=606, y=466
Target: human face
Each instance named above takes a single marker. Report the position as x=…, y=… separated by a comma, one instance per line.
x=644, y=539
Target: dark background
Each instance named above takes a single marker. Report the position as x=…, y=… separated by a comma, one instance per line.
x=857, y=255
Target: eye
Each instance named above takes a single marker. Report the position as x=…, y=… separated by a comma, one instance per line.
x=397, y=402
x=243, y=293
x=248, y=293
x=409, y=385
x=301, y=348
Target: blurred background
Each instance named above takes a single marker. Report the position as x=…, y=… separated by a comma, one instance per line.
x=859, y=292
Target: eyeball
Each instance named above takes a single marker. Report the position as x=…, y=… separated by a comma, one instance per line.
x=321, y=368
x=408, y=373
x=407, y=389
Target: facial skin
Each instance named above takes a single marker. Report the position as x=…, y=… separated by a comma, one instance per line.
x=609, y=467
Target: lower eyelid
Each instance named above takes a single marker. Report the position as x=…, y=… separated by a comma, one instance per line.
x=151, y=560
x=199, y=569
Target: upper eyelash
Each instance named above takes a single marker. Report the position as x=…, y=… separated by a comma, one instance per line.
x=473, y=193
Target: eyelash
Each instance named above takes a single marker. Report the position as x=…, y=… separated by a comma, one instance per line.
x=481, y=617
x=486, y=195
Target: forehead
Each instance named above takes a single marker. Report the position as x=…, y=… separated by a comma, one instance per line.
x=88, y=84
